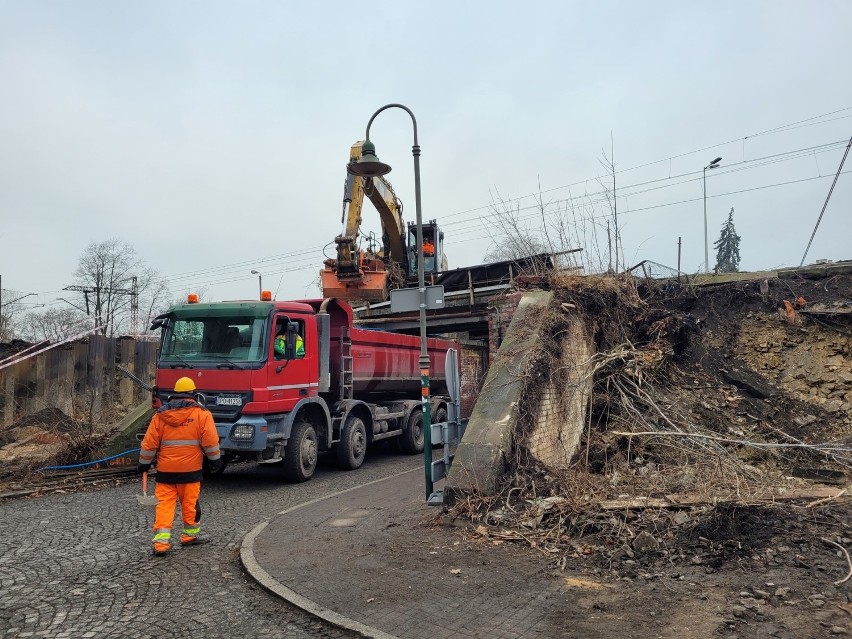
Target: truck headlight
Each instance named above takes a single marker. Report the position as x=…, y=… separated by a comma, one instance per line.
x=242, y=432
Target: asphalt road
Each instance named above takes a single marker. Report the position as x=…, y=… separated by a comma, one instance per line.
x=79, y=565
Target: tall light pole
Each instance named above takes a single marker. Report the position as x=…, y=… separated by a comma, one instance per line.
x=259, y=283
x=712, y=165
x=370, y=166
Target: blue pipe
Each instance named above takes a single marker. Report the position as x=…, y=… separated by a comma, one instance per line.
x=91, y=463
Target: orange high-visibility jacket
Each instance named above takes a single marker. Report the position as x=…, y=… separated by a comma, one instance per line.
x=179, y=435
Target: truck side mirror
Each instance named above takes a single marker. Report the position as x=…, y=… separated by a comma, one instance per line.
x=161, y=321
x=290, y=349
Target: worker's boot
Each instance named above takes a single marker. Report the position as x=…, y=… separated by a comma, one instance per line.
x=194, y=541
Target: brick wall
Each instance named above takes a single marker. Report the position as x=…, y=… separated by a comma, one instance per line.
x=563, y=400
x=473, y=361
x=502, y=308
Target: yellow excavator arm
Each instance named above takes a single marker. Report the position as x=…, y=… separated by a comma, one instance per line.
x=382, y=195
x=365, y=274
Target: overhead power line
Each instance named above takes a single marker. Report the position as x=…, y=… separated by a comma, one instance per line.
x=828, y=197
x=779, y=129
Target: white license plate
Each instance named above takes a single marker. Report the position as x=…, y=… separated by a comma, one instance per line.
x=229, y=401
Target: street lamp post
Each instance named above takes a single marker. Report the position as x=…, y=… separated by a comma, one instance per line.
x=712, y=165
x=259, y=283
x=370, y=166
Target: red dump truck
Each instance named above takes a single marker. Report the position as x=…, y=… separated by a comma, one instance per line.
x=335, y=387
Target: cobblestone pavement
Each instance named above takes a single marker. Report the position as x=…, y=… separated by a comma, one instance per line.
x=79, y=565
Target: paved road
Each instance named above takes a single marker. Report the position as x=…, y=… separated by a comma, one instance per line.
x=78, y=565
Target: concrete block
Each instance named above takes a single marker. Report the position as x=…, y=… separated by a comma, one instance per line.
x=481, y=455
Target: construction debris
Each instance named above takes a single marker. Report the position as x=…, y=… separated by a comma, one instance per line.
x=706, y=405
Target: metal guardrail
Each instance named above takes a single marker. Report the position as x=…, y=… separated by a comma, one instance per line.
x=450, y=432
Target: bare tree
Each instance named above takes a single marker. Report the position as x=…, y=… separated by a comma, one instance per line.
x=10, y=313
x=607, y=163
x=53, y=324
x=116, y=286
x=588, y=222
x=511, y=239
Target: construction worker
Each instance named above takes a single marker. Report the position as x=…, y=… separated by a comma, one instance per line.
x=180, y=435
x=428, y=248
x=280, y=345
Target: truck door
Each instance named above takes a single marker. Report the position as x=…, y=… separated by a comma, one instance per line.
x=289, y=372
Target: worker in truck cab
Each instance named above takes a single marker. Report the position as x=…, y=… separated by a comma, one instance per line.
x=180, y=435
x=280, y=344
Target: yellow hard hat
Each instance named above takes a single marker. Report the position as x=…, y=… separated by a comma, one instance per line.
x=184, y=385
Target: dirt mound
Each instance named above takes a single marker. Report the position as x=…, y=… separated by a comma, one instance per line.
x=711, y=407
x=51, y=419
x=46, y=437
x=700, y=419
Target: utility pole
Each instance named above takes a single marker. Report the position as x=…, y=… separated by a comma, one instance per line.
x=678, y=259
x=101, y=321
x=134, y=305
x=614, y=198
x=828, y=197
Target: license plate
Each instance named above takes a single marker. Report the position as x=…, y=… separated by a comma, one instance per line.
x=229, y=401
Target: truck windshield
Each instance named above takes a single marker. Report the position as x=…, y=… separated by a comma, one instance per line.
x=201, y=340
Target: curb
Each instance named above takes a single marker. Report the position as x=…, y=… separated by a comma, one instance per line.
x=271, y=585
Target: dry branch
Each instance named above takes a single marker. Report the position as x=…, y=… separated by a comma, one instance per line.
x=848, y=561
x=827, y=446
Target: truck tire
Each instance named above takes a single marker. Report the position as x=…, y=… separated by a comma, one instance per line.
x=300, y=455
x=411, y=440
x=352, y=446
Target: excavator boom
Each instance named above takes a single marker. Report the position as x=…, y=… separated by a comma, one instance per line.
x=369, y=274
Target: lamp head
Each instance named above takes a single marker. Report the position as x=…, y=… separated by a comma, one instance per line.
x=368, y=165
x=714, y=163
x=255, y=272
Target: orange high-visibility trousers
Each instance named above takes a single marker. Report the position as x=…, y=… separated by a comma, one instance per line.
x=167, y=496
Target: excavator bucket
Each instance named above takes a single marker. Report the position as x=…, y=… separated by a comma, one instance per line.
x=370, y=283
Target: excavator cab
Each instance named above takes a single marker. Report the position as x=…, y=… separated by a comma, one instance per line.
x=434, y=260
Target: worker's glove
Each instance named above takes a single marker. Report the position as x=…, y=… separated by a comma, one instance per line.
x=215, y=465
x=143, y=468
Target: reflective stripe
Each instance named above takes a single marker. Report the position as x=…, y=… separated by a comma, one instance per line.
x=147, y=454
x=192, y=532
x=181, y=442
x=288, y=386
x=214, y=457
x=163, y=536
x=210, y=449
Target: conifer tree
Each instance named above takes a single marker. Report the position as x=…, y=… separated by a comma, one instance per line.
x=728, y=247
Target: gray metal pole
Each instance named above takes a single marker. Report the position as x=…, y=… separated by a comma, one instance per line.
x=706, y=253
x=421, y=283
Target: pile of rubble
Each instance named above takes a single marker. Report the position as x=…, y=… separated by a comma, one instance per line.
x=714, y=411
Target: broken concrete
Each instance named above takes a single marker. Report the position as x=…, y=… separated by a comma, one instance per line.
x=481, y=456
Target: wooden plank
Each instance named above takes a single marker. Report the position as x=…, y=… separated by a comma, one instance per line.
x=9, y=382
x=686, y=500
x=127, y=358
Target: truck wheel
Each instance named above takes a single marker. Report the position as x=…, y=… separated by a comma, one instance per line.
x=300, y=456
x=411, y=440
x=352, y=446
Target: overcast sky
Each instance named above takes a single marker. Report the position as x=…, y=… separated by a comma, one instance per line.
x=213, y=136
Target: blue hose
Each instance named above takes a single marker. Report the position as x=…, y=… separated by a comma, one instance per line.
x=91, y=463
